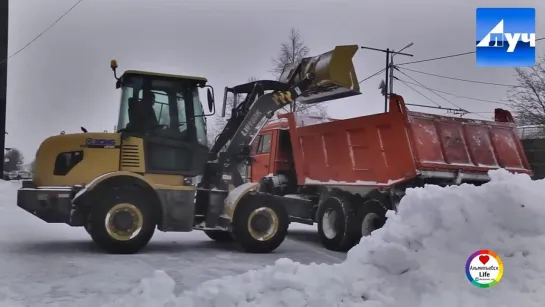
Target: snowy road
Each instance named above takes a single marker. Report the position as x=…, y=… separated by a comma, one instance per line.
x=55, y=265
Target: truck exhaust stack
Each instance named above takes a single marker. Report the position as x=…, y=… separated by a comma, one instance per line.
x=334, y=75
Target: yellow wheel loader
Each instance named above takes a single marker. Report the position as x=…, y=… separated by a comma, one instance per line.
x=122, y=186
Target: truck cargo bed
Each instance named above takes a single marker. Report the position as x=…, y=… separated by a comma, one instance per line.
x=389, y=148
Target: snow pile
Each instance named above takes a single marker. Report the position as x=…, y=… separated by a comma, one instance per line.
x=417, y=259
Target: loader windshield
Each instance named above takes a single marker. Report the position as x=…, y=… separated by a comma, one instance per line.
x=163, y=106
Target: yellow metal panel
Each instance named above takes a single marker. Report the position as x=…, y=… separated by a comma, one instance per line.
x=132, y=155
x=96, y=161
x=149, y=73
x=165, y=179
x=155, y=186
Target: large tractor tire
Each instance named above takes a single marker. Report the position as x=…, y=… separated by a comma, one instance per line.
x=260, y=223
x=337, y=223
x=122, y=219
x=219, y=236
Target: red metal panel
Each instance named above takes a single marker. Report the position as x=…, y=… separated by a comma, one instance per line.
x=480, y=146
x=426, y=140
x=450, y=143
x=505, y=141
x=382, y=149
x=370, y=150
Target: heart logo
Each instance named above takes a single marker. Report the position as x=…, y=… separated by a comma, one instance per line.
x=484, y=259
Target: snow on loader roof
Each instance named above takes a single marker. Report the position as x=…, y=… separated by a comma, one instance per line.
x=417, y=259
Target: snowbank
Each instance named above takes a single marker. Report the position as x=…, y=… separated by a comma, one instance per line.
x=417, y=259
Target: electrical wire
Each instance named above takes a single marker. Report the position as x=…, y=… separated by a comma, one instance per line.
x=452, y=103
x=459, y=96
x=447, y=56
x=438, y=58
x=371, y=76
x=41, y=33
x=457, y=79
x=418, y=92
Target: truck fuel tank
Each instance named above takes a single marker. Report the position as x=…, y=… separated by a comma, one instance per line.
x=334, y=75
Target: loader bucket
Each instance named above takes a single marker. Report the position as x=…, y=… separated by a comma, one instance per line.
x=334, y=74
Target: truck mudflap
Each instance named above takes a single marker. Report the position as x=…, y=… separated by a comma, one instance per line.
x=50, y=204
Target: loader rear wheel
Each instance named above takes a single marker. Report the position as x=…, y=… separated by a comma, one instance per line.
x=122, y=220
x=336, y=224
x=260, y=224
x=219, y=236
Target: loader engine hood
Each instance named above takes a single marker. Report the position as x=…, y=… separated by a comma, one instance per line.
x=76, y=159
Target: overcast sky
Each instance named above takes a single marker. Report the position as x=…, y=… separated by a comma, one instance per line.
x=63, y=80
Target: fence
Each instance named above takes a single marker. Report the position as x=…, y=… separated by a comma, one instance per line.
x=531, y=132
x=533, y=141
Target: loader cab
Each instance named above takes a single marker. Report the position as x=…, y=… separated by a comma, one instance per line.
x=271, y=152
x=166, y=113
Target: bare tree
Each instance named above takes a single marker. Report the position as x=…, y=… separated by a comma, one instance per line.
x=290, y=52
x=13, y=160
x=528, y=97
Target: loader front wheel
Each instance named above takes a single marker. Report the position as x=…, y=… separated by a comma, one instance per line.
x=219, y=236
x=122, y=220
x=260, y=223
x=336, y=224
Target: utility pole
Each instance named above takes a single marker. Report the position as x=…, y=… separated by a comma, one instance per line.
x=4, y=24
x=392, y=66
x=389, y=69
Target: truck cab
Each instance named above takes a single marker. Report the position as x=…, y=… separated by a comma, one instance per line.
x=272, y=151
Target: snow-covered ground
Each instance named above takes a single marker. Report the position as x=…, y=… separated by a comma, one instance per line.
x=417, y=259
x=58, y=266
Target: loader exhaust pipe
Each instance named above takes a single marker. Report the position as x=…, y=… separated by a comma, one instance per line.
x=333, y=71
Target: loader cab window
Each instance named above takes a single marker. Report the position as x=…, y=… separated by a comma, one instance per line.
x=162, y=106
x=199, y=119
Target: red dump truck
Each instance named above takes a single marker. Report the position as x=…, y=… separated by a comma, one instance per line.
x=350, y=172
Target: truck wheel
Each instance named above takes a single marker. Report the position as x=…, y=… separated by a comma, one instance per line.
x=336, y=224
x=259, y=225
x=122, y=220
x=219, y=236
x=371, y=216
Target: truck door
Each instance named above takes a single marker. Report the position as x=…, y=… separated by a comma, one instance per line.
x=261, y=163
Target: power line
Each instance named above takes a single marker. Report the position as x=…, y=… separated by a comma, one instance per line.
x=438, y=58
x=458, y=79
x=42, y=33
x=448, y=56
x=459, y=96
x=371, y=76
x=418, y=92
x=422, y=85
x=438, y=105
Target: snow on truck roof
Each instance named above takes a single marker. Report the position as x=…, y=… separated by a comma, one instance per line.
x=300, y=120
x=417, y=259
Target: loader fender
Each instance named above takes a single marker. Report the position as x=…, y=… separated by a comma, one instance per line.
x=234, y=197
x=95, y=182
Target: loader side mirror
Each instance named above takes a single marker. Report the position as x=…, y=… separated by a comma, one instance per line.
x=211, y=101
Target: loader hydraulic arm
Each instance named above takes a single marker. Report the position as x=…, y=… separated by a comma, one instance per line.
x=316, y=79
x=242, y=126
